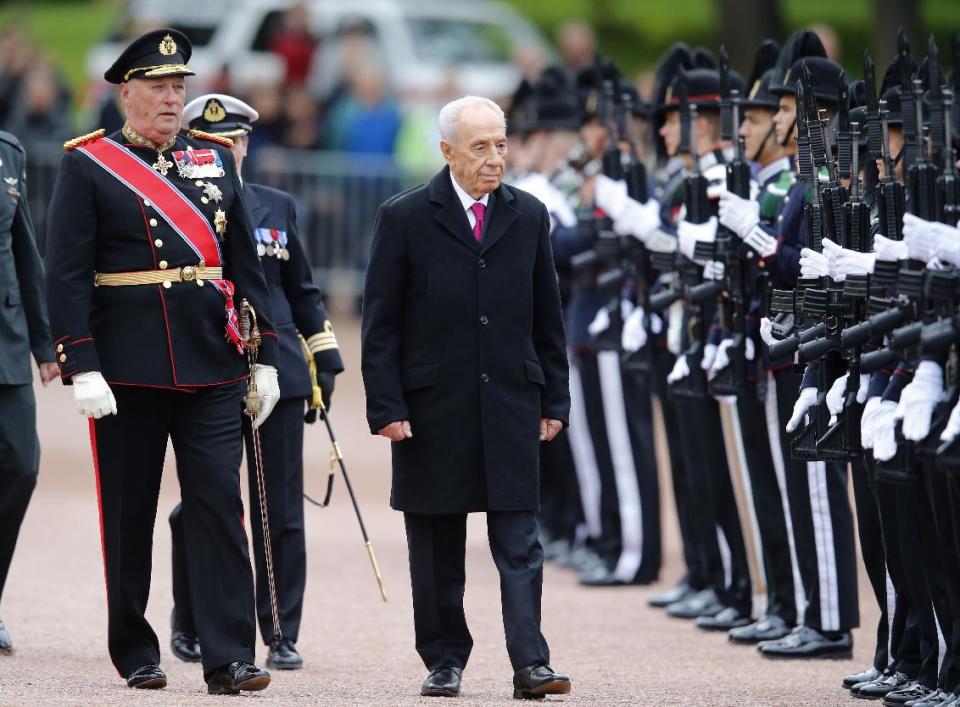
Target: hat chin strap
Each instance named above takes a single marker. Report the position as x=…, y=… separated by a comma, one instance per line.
x=772, y=132
x=786, y=140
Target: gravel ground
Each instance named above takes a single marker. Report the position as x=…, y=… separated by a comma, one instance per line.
x=358, y=650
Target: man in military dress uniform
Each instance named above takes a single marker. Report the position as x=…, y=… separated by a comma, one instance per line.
x=24, y=330
x=298, y=308
x=149, y=259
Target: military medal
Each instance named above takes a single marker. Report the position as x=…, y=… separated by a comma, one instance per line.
x=162, y=164
x=212, y=192
x=220, y=222
x=261, y=250
x=198, y=164
x=12, y=181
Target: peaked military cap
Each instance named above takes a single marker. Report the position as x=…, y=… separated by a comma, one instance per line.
x=220, y=114
x=824, y=75
x=703, y=89
x=157, y=54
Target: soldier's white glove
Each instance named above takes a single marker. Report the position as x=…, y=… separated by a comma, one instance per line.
x=681, y=369
x=953, y=425
x=722, y=359
x=864, y=388
x=738, y=214
x=709, y=355
x=806, y=400
x=888, y=250
x=948, y=243
x=689, y=233
x=922, y=237
x=761, y=242
x=600, y=323
x=813, y=264
x=265, y=378
x=634, y=334
x=918, y=400
x=659, y=242
x=884, y=431
x=714, y=270
x=766, y=331
x=850, y=262
x=611, y=196
x=835, y=396
x=638, y=220
x=92, y=396
x=868, y=421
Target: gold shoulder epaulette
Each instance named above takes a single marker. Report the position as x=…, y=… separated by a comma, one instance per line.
x=83, y=139
x=212, y=137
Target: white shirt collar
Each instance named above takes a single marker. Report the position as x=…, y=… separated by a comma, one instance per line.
x=465, y=198
x=779, y=165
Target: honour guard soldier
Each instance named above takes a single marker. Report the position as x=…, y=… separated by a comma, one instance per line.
x=25, y=331
x=150, y=257
x=298, y=309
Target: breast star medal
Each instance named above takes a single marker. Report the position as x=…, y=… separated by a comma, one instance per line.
x=220, y=222
x=212, y=192
x=162, y=164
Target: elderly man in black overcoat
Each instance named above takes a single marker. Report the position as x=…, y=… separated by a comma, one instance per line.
x=465, y=372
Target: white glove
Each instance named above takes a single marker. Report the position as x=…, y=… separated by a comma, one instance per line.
x=868, y=421
x=923, y=238
x=714, y=270
x=762, y=242
x=709, y=354
x=738, y=214
x=948, y=244
x=265, y=379
x=889, y=250
x=659, y=242
x=634, y=334
x=864, y=388
x=638, y=220
x=600, y=323
x=92, y=396
x=610, y=195
x=813, y=264
x=918, y=399
x=722, y=359
x=850, y=262
x=953, y=425
x=830, y=251
x=766, y=331
x=681, y=369
x=689, y=233
x=835, y=397
x=884, y=431
x=807, y=399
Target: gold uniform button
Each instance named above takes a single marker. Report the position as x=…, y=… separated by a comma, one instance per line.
x=200, y=283
x=146, y=202
x=153, y=222
x=59, y=348
x=166, y=284
x=163, y=264
x=204, y=199
x=63, y=357
x=158, y=243
x=199, y=182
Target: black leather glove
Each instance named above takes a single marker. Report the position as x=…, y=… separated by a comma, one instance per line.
x=326, y=380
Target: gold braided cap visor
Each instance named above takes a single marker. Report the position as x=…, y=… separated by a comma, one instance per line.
x=160, y=70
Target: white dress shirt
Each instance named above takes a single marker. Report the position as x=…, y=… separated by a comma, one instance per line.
x=468, y=201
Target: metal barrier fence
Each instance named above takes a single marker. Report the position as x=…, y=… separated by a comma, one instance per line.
x=337, y=196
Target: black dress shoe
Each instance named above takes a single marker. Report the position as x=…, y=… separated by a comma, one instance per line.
x=283, y=655
x=536, y=681
x=442, y=682
x=6, y=643
x=238, y=675
x=937, y=698
x=703, y=603
x=805, y=642
x=769, y=628
x=672, y=596
x=186, y=646
x=882, y=686
x=601, y=576
x=149, y=677
x=727, y=619
x=910, y=693
x=857, y=678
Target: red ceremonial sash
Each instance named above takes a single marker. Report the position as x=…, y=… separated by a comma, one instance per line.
x=174, y=207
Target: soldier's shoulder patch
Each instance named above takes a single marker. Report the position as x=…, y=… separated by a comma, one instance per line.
x=83, y=139
x=212, y=137
x=11, y=139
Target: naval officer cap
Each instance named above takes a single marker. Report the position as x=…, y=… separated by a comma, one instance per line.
x=156, y=54
x=220, y=114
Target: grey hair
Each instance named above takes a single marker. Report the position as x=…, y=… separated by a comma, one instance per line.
x=450, y=114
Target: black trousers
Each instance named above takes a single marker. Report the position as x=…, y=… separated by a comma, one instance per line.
x=874, y=557
x=436, y=544
x=128, y=451
x=823, y=529
x=560, y=506
x=775, y=541
x=712, y=502
x=19, y=464
x=281, y=443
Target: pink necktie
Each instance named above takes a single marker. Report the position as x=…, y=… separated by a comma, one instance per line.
x=478, y=210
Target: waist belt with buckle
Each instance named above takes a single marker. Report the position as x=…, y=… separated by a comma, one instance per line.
x=189, y=273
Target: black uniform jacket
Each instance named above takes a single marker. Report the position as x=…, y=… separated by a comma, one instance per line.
x=147, y=335
x=465, y=341
x=297, y=304
x=24, y=328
